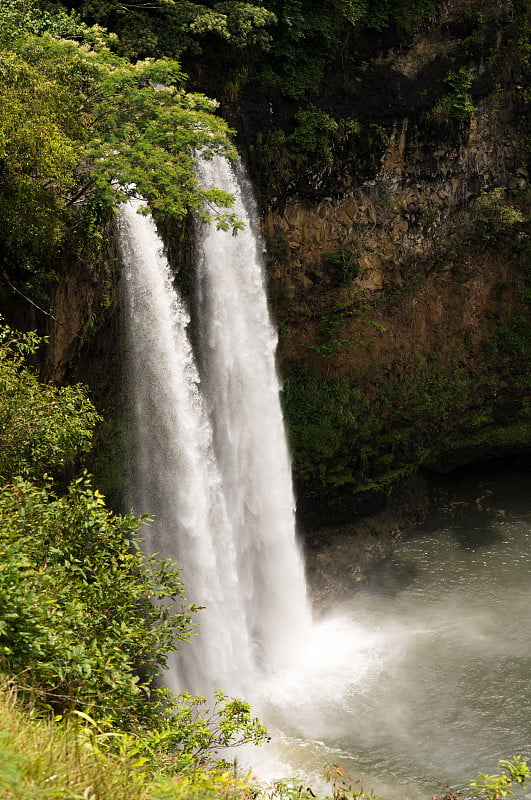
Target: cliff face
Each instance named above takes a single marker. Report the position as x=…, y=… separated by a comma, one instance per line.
x=396, y=209
x=399, y=260
x=417, y=243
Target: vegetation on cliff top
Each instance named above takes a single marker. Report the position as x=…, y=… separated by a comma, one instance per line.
x=81, y=128
x=291, y=31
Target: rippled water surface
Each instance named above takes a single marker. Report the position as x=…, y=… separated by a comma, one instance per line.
x=424, y=677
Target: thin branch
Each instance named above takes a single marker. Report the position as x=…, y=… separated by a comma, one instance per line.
x=135, y=6
x=84, y=189
x=27, y=298
x=48, y=314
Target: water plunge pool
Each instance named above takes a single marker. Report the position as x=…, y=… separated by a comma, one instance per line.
x=423, y=678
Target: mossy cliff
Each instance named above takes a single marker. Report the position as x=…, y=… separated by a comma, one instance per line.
x=396, y=212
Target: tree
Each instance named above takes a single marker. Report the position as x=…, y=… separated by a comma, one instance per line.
x=77, y=121
x=163, y=28
x=87, y=619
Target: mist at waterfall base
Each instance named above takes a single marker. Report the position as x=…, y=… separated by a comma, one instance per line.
x=420, y=678
x=430, y=678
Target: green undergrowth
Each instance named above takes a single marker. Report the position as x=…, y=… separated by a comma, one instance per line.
x=73, y=758
x=56, y=758
x=483, y=445
x=369, y=429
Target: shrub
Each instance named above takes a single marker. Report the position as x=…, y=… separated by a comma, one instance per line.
x=312, y=133
x=496, y=222
x=458, y=103
x=346, y=263
x=75, y=757
x=42, y=427
x=87, y=618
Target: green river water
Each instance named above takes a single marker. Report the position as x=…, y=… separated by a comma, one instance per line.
x=423, y=678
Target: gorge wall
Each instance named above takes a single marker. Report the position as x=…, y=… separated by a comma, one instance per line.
x=395, y=200
x=399, y=256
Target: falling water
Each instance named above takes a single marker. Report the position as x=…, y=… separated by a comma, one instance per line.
x=241, y=389
x=174, y=475
x=388, y=685
x=209, y=458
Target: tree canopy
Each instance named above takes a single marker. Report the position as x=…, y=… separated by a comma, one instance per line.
x=77, y=120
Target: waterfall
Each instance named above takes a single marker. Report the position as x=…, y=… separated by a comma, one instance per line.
x=208, y=452
x=242, y=392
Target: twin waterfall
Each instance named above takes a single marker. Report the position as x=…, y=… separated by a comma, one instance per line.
x=371, y=687
x=208, y=457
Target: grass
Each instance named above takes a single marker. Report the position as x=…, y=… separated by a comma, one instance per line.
x=43, y=757
x=49, y=758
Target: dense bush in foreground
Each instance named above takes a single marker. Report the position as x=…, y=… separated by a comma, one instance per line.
x=86, y=618
x=88, y=622
x=74, y=759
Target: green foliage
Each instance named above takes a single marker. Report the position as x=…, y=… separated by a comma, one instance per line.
x=510, y=340
x=428, y=216
x=82, y=610
x=16, y=16
x=87, y=620
x=83, y=122
x=312, y=132
x=406, y=13
x=308, y=147
x=276, y=159
x=171, y=29
x=192, y=732
x=346, y=263
x=42, y=427
x=86, y=610
x=77, y=757
x=277, y=245
x=479, y=24
x=492, y=787
x=303, y=44
x=309, y=34
x=370, y=425
x=43, y=758
x=327, y=421
x=496, y=222
x=334, y=338
x=243, y=23
x=458, y=103
x=524, y=49
x=37, y=157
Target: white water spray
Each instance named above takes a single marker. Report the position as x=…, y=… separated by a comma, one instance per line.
x=242, y=391
x=174, y=474
x=209, y=458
